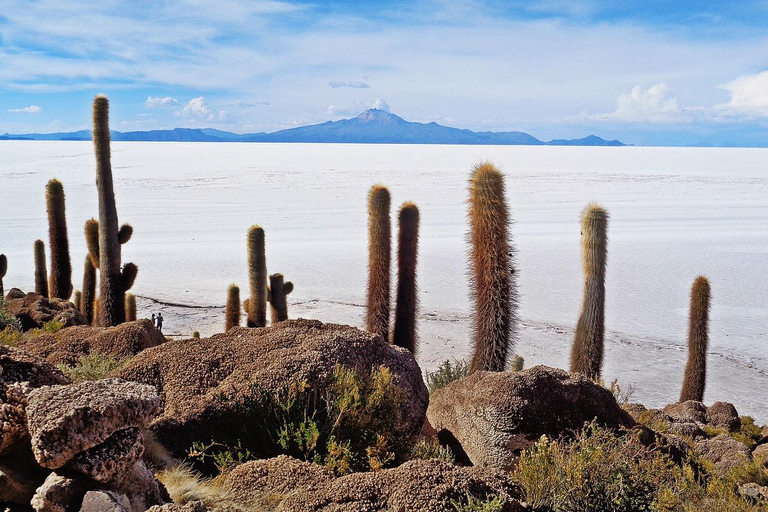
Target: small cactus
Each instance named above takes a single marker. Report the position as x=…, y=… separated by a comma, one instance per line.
x=60, y=281
x=130, y=307
x=517, y=363
x=257, y=278
x=92, y=240
x=232, y=312
x=379, y=256
x=41, y=270
x=77, y=299
x=196, y=335
x=695, y=378
x=587, y=350
x=278, y=290
x=407, y=302
x=89, y=290
x=492, y=271
x=3, y=271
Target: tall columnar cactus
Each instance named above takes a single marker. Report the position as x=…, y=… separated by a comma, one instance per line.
x=257, y=278
x=92, y=241
x=89, y=290
x=41, y=270
x=698, y=339
x=130, y=307
x=492, y=284
x=379, y=257
x=587, y=350
x=115, y=281
x=404, y=333
x=60, y=281
x=232, y=312
x=78, y=299
x=278, y=290
x=3, y=271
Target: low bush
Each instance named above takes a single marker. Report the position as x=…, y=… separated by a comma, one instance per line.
x=93, y=366
x=491, y=503
x=431, y=449
x=447, y=372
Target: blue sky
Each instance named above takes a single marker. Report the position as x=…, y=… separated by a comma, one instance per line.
x=652, y=72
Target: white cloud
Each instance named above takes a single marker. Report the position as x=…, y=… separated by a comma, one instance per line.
x=656, y=104
x=357, y=108
x=381, y=105
x=198, y=109
x=354, y=85
x=749, y=94
x=160, y=102
x=32, y=109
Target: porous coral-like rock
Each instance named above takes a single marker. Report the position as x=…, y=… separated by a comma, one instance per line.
x=59, y=493
x=493, y=416
x=111, y=458
x=687, y=411
x=66, y=420
x=105, y=501
x=140, y=486
x=191, y=375
x=33, y=311
x=724, y=451
x=723, y=415
x=423, y=485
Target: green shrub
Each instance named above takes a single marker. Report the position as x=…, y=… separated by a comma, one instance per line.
x=431, y=449
x=53, y=326
x=10, y=337
x=447, y=372
x=93, y=366
x=491, y=503
x=353, y=423
x=8, y=321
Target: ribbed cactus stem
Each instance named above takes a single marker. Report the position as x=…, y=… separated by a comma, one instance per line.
x=379, y=258
x=41, y=270
x=77, y=301
x=492, y=283
x=257, y=278
x=695, y=377
x=89, y=290
x=112, y=293
x=232, y=311
x=278, y=292
x=60, y=281
x=407, y=302
x=3, y=271
x=587, y=350
x=92, y=240
x=130, y=307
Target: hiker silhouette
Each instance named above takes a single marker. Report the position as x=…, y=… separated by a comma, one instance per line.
x=154, y=322
x=160, y=322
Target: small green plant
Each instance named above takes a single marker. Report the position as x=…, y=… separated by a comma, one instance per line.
x=93, y=366
x=447, y=372
x=491, y=503
x=8, y=321
x=11, y=337
x=431, y=449
x=53, y=326
x=517, y=364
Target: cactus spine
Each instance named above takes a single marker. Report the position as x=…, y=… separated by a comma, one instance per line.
x=587, y=350
x=698, y=339
x=278, y=290
x=89, y=290
x=41, y=271
x=130, y=307
x=407, y=303
x=114, y=280
x=78, y=297
x=232, y=312
x=60, y=282
x=3, y=271
x=379, y=256
x=257, y=278
x=492, y=284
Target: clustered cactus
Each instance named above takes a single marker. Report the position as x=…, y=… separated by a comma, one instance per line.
x=60, y=283
x=89, y=289
x=41, y=271
x=695, y=377
x=492, y=284
x=278, y=290
x=587, y=350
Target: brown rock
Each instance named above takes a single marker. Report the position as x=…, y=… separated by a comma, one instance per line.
x=496, y=415
x=192, y=374
x=277, y=477
x=59, y=493
x=754, y=491
x=761, y=453
x=67, y=345
x=724, y=451
x=34, y=310
x=723, y=415
x=419, y=485
x=687, y=429
x=141, y=488
x=113, y=457
x=192, y=506
x=20, y=476
x=634, y=410
x=687, y=411
x=105, y=501
x=65, y=420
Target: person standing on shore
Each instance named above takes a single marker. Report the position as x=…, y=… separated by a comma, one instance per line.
x=154, y=323
x=160, y=322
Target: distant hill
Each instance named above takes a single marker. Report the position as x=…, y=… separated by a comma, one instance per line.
x=371, y=127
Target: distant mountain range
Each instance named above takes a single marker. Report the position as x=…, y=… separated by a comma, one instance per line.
x=371, y=127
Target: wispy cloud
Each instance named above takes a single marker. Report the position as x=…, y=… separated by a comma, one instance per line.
x=749, y=95
x=357, y=107
x=167, y=101
x=32, y=109
x=354, y=85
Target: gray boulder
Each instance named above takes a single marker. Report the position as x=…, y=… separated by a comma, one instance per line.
x=59, y=493
x=724, y=451
x=687, y=411
x=105, y=501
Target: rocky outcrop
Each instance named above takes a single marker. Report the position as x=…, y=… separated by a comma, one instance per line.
x=67, y=345
x=274, y=478
x=191, y=375
x=113, y=457
x=59, y=493
x=725, y=452
x=66, y=420
x=686, y=412
x=423, y=485
x=724, y=416
x=33, y=310
x=105, y=501
x=761, y=453
x=493, y=416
